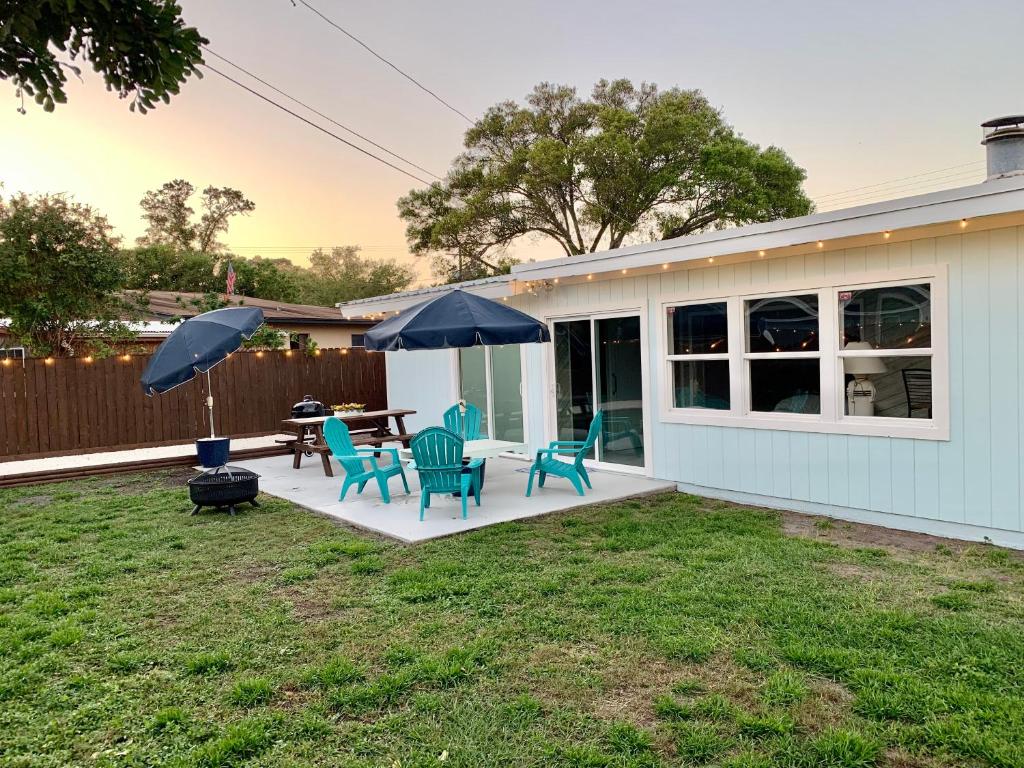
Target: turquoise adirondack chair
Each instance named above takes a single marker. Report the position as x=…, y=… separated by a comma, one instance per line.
x=355, y=461
x=467, y=427
x=547, y=464
x=437, y=457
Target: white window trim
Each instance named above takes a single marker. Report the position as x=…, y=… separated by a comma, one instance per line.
x=832, y=419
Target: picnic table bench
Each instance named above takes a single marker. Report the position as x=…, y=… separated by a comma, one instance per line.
x=367, y=428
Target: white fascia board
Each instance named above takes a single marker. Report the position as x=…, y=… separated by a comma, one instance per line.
x=988, y=198
x=399, y=302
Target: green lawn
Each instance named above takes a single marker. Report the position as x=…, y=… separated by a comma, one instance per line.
x=662, y=632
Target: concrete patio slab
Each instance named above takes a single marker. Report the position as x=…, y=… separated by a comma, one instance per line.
x=503, y=497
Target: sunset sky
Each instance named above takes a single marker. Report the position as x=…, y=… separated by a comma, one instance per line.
x=857, y=93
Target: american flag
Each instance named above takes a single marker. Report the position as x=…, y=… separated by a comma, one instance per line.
x=231, y=279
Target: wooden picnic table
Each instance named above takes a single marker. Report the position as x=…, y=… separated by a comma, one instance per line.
x=367, y=428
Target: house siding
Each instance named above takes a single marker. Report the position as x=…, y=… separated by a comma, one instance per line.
x=973, y=479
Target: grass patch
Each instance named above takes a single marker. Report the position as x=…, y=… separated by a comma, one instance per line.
x=666, y=632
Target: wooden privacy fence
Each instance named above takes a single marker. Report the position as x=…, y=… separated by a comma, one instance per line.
x=70, y=405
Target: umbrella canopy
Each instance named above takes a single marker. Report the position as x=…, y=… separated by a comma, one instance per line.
x=455, y=319
x=197, y=345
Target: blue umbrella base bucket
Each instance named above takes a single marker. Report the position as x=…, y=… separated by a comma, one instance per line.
x=213, y=451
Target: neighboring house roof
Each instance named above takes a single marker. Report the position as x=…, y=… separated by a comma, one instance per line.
x=164, y=305
x=489, y=287
x=990, y=198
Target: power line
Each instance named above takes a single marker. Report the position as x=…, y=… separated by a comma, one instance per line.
x=844, y=192
x=318, y=127
x=903, y=191
x=391, y=64
x=320, y=114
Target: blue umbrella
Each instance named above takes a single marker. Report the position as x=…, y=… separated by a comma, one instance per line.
x=455, y=319
x=196, y=346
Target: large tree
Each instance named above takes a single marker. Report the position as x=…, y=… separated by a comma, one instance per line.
x=341, y=274
x=170, y=221
x=143, y=48
x=588, y=174
x=168, y=268
x=273, y=279
x=60, y=271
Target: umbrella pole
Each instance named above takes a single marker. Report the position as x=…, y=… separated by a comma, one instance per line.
x=209, y=401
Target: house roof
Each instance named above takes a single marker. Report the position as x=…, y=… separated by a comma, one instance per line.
x=489, y=287
x=164, y=305
x=990, y=198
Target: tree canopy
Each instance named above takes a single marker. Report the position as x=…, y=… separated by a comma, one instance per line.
x=60, y=268
x=342, y=274
x=143, y=49
x=590, y=173
x=170, y=220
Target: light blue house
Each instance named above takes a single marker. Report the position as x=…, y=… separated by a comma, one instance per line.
x=866, y=364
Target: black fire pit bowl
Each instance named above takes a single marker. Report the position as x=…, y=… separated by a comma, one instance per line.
x=224, y=487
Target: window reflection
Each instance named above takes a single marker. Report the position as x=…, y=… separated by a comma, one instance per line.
x=783, y=324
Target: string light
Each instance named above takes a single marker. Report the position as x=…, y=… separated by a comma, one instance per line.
x=761, y=254
x=821, y=244
x=590, y=277
x=287, y=353
x=887, y=234
x=344, y=351
x=664, y=266
x=556, y=281
x=126, y=358
x=316, y=352
x=259, y=354
x=87, y=359
x=48, y=361
x=711, y=260
x=625, y=271
x=963, y=223
x=6, y=361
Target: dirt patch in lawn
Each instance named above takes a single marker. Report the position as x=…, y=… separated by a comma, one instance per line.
x=856, y=535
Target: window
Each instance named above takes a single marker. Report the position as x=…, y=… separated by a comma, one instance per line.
x=783, y=355
x=698, y=345
x=358, y=339
x=886, y=351
x=863, y=357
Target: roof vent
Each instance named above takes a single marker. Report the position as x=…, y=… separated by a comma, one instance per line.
x=1004, y=146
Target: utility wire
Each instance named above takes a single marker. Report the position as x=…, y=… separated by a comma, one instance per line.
x=318, y=127
x=843, y=193
x=319, y=113
x=391, y=64
x=903, y=191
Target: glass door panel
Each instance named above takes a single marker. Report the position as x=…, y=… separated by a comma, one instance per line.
x=506, y=394
x=620, y=388
x=473, y=378
x=574, y=379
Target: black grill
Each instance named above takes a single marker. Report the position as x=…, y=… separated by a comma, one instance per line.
x=224, y=487
x=308, y=408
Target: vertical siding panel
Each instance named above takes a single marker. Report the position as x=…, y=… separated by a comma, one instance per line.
x=748, y=459
x=876, y=258
x=799, y=460
x=835, y=264
x=899, y=255
x=856, y=260
x=741, y=276
x=838, y=470
x=814, y=265
x=763, y=457
x=1005, y=408
x=781, y=463
x=903, y=477
x=716, y=457
x=759, y=272
x=701, y=459
x=795, y=267
x=858, y=450
x=777, y=271
x=976, y=393
x=727, y=277
x=731, y=467
x=951, y=453
x=922, y=251
x=880, y=469
x=926, y=479
x=818, y=467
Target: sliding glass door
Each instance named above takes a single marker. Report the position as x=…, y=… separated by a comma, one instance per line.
x=491, y=378
x=599, y=366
